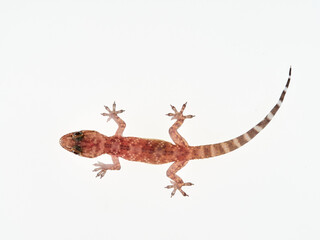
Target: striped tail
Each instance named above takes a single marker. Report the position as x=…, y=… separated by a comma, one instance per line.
x=212, y=150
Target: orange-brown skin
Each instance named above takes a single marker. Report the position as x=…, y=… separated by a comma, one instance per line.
x=151, y=151
x=92, y=144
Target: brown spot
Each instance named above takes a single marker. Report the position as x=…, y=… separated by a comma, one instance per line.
x=287, y=85
x=252, y=133
x=151, y=150
x=231, y=145
x=195, y=152
x=263, y=123
x=207, y=151
x=181, y=154
x=107, y=145
x=218, y=149
x=168, y=152
x=282, y=96
x=147, y=149
x=124, y=147
x=275, y=109
x=242, y=140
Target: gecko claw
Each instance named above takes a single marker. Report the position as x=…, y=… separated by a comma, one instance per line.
x=179, y=115
x=173, y=108
x=101, y=169
x=178, y=186
x=112, y=114
x=101, y=173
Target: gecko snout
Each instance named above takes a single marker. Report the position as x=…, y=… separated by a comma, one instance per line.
x=69, y=142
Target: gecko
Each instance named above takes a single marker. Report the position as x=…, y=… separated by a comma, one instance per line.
x=91, y=144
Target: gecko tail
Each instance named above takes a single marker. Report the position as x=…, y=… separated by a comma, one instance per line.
x=212, y=150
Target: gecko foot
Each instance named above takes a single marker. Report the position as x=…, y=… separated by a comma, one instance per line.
x=178, y=186
x=179, y=115
x=112, y=113
x=102, y=168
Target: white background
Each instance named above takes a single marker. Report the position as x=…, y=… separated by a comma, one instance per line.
x=61, y=61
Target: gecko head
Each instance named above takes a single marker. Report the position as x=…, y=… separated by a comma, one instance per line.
x=84, y=143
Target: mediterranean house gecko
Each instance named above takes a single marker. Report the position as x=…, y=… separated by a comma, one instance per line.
x=92, y=144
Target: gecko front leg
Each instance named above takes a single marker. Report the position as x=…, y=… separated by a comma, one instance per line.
x=114, y=115
x=177, y=182
x=102, y=167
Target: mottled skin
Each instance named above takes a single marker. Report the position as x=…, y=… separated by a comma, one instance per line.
x=92, y=144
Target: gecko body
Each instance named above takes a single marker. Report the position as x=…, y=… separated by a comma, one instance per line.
x=91, y=144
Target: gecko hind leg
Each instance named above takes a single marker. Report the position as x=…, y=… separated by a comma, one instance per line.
x=113, y=114
x=175, y=136
x=177, y=182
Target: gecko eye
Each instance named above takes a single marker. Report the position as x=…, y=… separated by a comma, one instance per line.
x=77, y=136
x=77, y=150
